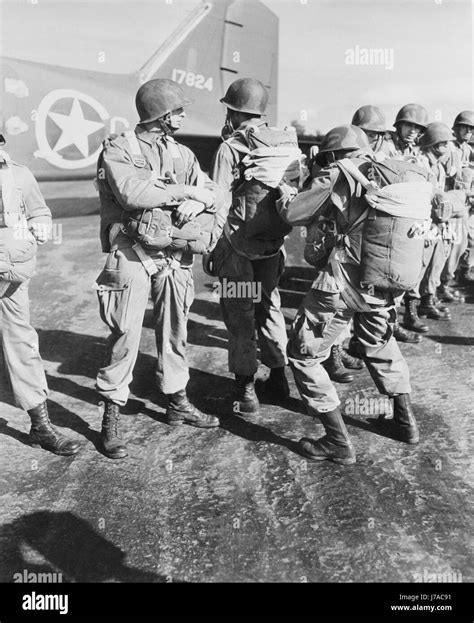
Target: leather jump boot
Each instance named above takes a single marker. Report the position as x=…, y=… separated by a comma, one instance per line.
x=402, y=335
x=181, y=411
x=427, y=308
x=111, y=443
x=404, y=419
x=335, y=368
x=445, y=294
x=410, y=318
x=277, y=385
x=245, y=395
x=335, y=446
x=350, y=362
x=44, y=435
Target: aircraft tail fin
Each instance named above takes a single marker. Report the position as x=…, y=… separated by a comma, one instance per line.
x=220, y=41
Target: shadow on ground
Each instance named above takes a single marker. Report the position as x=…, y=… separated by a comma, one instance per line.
x=63, y=543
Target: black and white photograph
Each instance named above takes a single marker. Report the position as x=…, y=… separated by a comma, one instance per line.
x=236, y=308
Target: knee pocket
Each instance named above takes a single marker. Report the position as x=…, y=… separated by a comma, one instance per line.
x=306, y=336
x=114, y=305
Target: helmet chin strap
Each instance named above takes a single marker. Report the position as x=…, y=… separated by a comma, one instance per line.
x=165, y=125
x=227, y=129
x=378, y=143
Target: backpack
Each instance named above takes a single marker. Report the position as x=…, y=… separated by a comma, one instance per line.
x=270, y=156
x=389, y=235
x=398, y=217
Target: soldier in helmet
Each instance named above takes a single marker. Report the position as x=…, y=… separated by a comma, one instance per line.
x=371, y=119
x=458, y=182
x=237, y=260
x=448, y=217
x=148, y=170
x=336, y=296
x=25, y=221
x=463, y=128
x=410, y=123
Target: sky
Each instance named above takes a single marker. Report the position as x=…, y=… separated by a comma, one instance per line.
x=431, y=43
x=426, y=45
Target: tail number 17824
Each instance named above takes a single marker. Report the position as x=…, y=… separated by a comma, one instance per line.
x=190, y=79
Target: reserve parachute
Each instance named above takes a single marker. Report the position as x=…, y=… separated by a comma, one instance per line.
x=155, y=229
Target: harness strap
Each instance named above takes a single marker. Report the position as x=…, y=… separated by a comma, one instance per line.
x=178, y=161
x=148, y=264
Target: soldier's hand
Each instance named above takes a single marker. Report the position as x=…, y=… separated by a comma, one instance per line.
x=287, y=192
x=188, y=210
x=41, y=231
x=204, y=195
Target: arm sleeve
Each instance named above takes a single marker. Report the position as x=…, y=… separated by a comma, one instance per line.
x=222, y=170
x=305, y=206
x=196, y=177
x=132, y=191
x=35, y=206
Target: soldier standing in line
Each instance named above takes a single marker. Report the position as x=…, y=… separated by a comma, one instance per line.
x=239, y=259
x=146, y=174
x=337, y=295
x=449, y=211
x=410, y=123
x=372, y=120
x=25, y=221
x=463, y=128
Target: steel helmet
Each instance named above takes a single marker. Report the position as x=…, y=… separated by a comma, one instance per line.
x=436, y=132
x=370, y=118
x=466, y=117
x=344, y=137
x=156, y=98
x=246, y=95
x=413, y=113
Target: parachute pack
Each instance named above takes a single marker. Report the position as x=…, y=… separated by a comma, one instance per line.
x=390, y=232
x=270, y=156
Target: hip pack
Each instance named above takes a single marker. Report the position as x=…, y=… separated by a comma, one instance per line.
x=270, y=156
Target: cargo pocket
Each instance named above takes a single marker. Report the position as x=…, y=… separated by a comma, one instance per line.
x=113, y=291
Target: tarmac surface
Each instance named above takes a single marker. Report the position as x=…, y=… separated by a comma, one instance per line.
x=238, y=503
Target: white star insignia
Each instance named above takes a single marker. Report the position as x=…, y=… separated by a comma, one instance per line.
x=75, y=129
